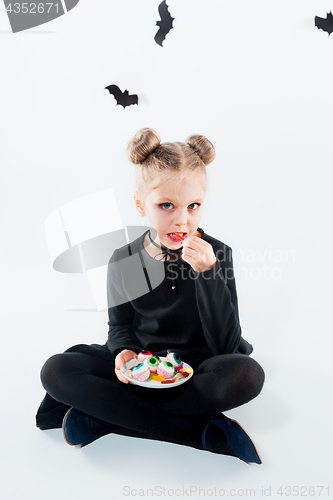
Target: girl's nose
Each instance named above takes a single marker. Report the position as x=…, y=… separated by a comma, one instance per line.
x=180, y=219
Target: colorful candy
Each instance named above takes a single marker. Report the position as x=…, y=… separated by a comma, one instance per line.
x=143, y=355
x=152, y=368
x=153, y=363
x=157, y=378
x=180, y=236
x=141, y=372
x=166, y=369
x=174, y=359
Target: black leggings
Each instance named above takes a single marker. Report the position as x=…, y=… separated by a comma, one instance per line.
x=89, y=384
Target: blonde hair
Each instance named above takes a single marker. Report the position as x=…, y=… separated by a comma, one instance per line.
x=153, y=159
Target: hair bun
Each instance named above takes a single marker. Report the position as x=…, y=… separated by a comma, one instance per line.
x=142, y=145
x=203, y=147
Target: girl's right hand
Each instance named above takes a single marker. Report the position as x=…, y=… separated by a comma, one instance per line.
x=122, y=358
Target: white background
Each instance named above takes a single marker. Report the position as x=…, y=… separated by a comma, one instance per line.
x=255, y=77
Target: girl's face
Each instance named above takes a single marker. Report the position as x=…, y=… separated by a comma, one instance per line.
x=174, y=207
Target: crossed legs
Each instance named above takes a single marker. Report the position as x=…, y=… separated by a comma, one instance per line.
x=88, y=383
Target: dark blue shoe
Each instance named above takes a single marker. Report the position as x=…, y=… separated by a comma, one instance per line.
x=76, y=428
x=238, y=439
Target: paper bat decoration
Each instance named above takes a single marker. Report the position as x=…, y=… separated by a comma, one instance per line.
x=165, y=23
x=325, y=24
x=122, y=98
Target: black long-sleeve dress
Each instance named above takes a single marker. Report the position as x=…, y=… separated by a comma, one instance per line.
x=158, y=305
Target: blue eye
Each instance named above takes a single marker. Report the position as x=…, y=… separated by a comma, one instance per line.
x=163, y=205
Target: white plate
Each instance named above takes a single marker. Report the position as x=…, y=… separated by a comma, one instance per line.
x=153, y=384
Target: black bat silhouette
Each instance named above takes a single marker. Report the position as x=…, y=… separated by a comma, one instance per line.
x=122, y=98
x=325, y=24
x=165, y=23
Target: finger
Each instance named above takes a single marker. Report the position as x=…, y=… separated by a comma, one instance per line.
x=190, y=247
x=189, y=252
x=196, y=243
x=119, y=364
x=120, y=361
x=121, y=377
x=189, y=260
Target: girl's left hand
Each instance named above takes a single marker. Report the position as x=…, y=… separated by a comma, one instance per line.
x=198, y=253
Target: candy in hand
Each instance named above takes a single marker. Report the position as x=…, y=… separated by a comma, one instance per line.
x=180, y=236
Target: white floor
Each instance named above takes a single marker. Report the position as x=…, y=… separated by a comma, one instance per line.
x=289, y=421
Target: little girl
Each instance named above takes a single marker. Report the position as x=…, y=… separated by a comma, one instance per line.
x=171, y=288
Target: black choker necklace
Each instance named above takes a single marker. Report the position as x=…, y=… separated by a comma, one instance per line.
x=165, y=251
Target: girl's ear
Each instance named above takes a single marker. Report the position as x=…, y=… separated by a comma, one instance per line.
x=138, y=204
